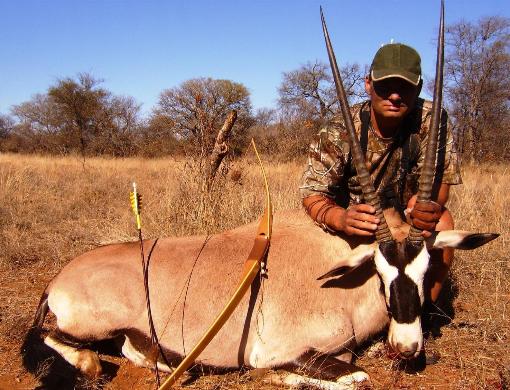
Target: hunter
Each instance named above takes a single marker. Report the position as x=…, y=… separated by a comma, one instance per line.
x=392, y=127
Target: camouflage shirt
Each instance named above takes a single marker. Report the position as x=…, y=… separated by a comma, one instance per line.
x=394, y=163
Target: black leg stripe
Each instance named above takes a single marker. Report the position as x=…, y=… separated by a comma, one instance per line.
x=319, y=366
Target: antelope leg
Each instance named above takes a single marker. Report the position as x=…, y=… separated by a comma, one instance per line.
x=84, y=360
x=321, y=371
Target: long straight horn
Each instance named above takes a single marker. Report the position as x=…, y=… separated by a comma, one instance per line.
x=370, y=196
x=429, y=164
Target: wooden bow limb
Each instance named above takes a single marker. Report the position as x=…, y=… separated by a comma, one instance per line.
x=251, y=268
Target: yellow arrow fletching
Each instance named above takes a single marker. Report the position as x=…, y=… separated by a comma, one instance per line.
x=136, y=205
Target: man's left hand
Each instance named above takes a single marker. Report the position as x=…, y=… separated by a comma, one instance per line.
x=425, y=215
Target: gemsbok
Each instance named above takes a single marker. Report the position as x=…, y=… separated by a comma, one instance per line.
x=293, y=320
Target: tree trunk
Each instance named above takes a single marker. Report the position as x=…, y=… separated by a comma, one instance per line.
x=220, y=147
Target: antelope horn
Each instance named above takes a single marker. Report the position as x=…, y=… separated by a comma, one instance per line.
x=382, y=233
x=429, y=164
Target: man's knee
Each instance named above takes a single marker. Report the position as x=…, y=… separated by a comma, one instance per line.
x=445, y=221
x=443, y=257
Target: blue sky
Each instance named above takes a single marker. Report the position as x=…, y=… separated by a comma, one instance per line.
x=141, y=47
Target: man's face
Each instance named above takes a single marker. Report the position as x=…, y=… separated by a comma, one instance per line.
x=392, y=97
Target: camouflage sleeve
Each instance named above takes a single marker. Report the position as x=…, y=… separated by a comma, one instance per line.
x=327, y=158
x=448, y=164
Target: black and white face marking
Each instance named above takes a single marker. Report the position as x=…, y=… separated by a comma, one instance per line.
x=402, y=267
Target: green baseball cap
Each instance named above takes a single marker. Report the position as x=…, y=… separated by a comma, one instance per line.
x=396, y=60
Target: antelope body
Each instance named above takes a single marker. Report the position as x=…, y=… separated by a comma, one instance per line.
x=100, y=295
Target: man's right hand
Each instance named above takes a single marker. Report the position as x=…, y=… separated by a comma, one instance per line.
x=358, y=220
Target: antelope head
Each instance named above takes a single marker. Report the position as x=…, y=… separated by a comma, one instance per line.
x=402, y=264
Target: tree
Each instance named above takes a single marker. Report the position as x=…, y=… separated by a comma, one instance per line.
x=157, y=138
x=120, y=127
x=477, y=86
x=78, y=115
x=308, y=101
x=6, y=128
x=6, y=125
x=39, y=128
x=199, y=107
x=309, y=93
x=81, y=106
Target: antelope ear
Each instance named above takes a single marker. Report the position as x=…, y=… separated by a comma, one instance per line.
x=459, y=239
x=357, y=257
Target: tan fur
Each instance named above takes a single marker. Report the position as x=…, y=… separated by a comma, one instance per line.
x=100, y=294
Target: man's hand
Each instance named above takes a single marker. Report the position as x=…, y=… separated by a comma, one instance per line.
x=356, y=220
x=359, y=220
x=425, y=215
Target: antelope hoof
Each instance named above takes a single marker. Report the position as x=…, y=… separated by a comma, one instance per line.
x=89, y=364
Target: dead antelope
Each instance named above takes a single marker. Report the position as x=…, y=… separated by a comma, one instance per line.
x=291, y=320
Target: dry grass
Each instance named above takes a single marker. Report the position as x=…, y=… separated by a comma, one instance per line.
x=52, y=209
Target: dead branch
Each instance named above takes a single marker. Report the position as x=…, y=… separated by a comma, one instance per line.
x=220, y=146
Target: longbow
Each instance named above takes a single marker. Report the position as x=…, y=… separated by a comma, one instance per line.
x=251, y=268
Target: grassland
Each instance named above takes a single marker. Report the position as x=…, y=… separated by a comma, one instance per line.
x=52, y=209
